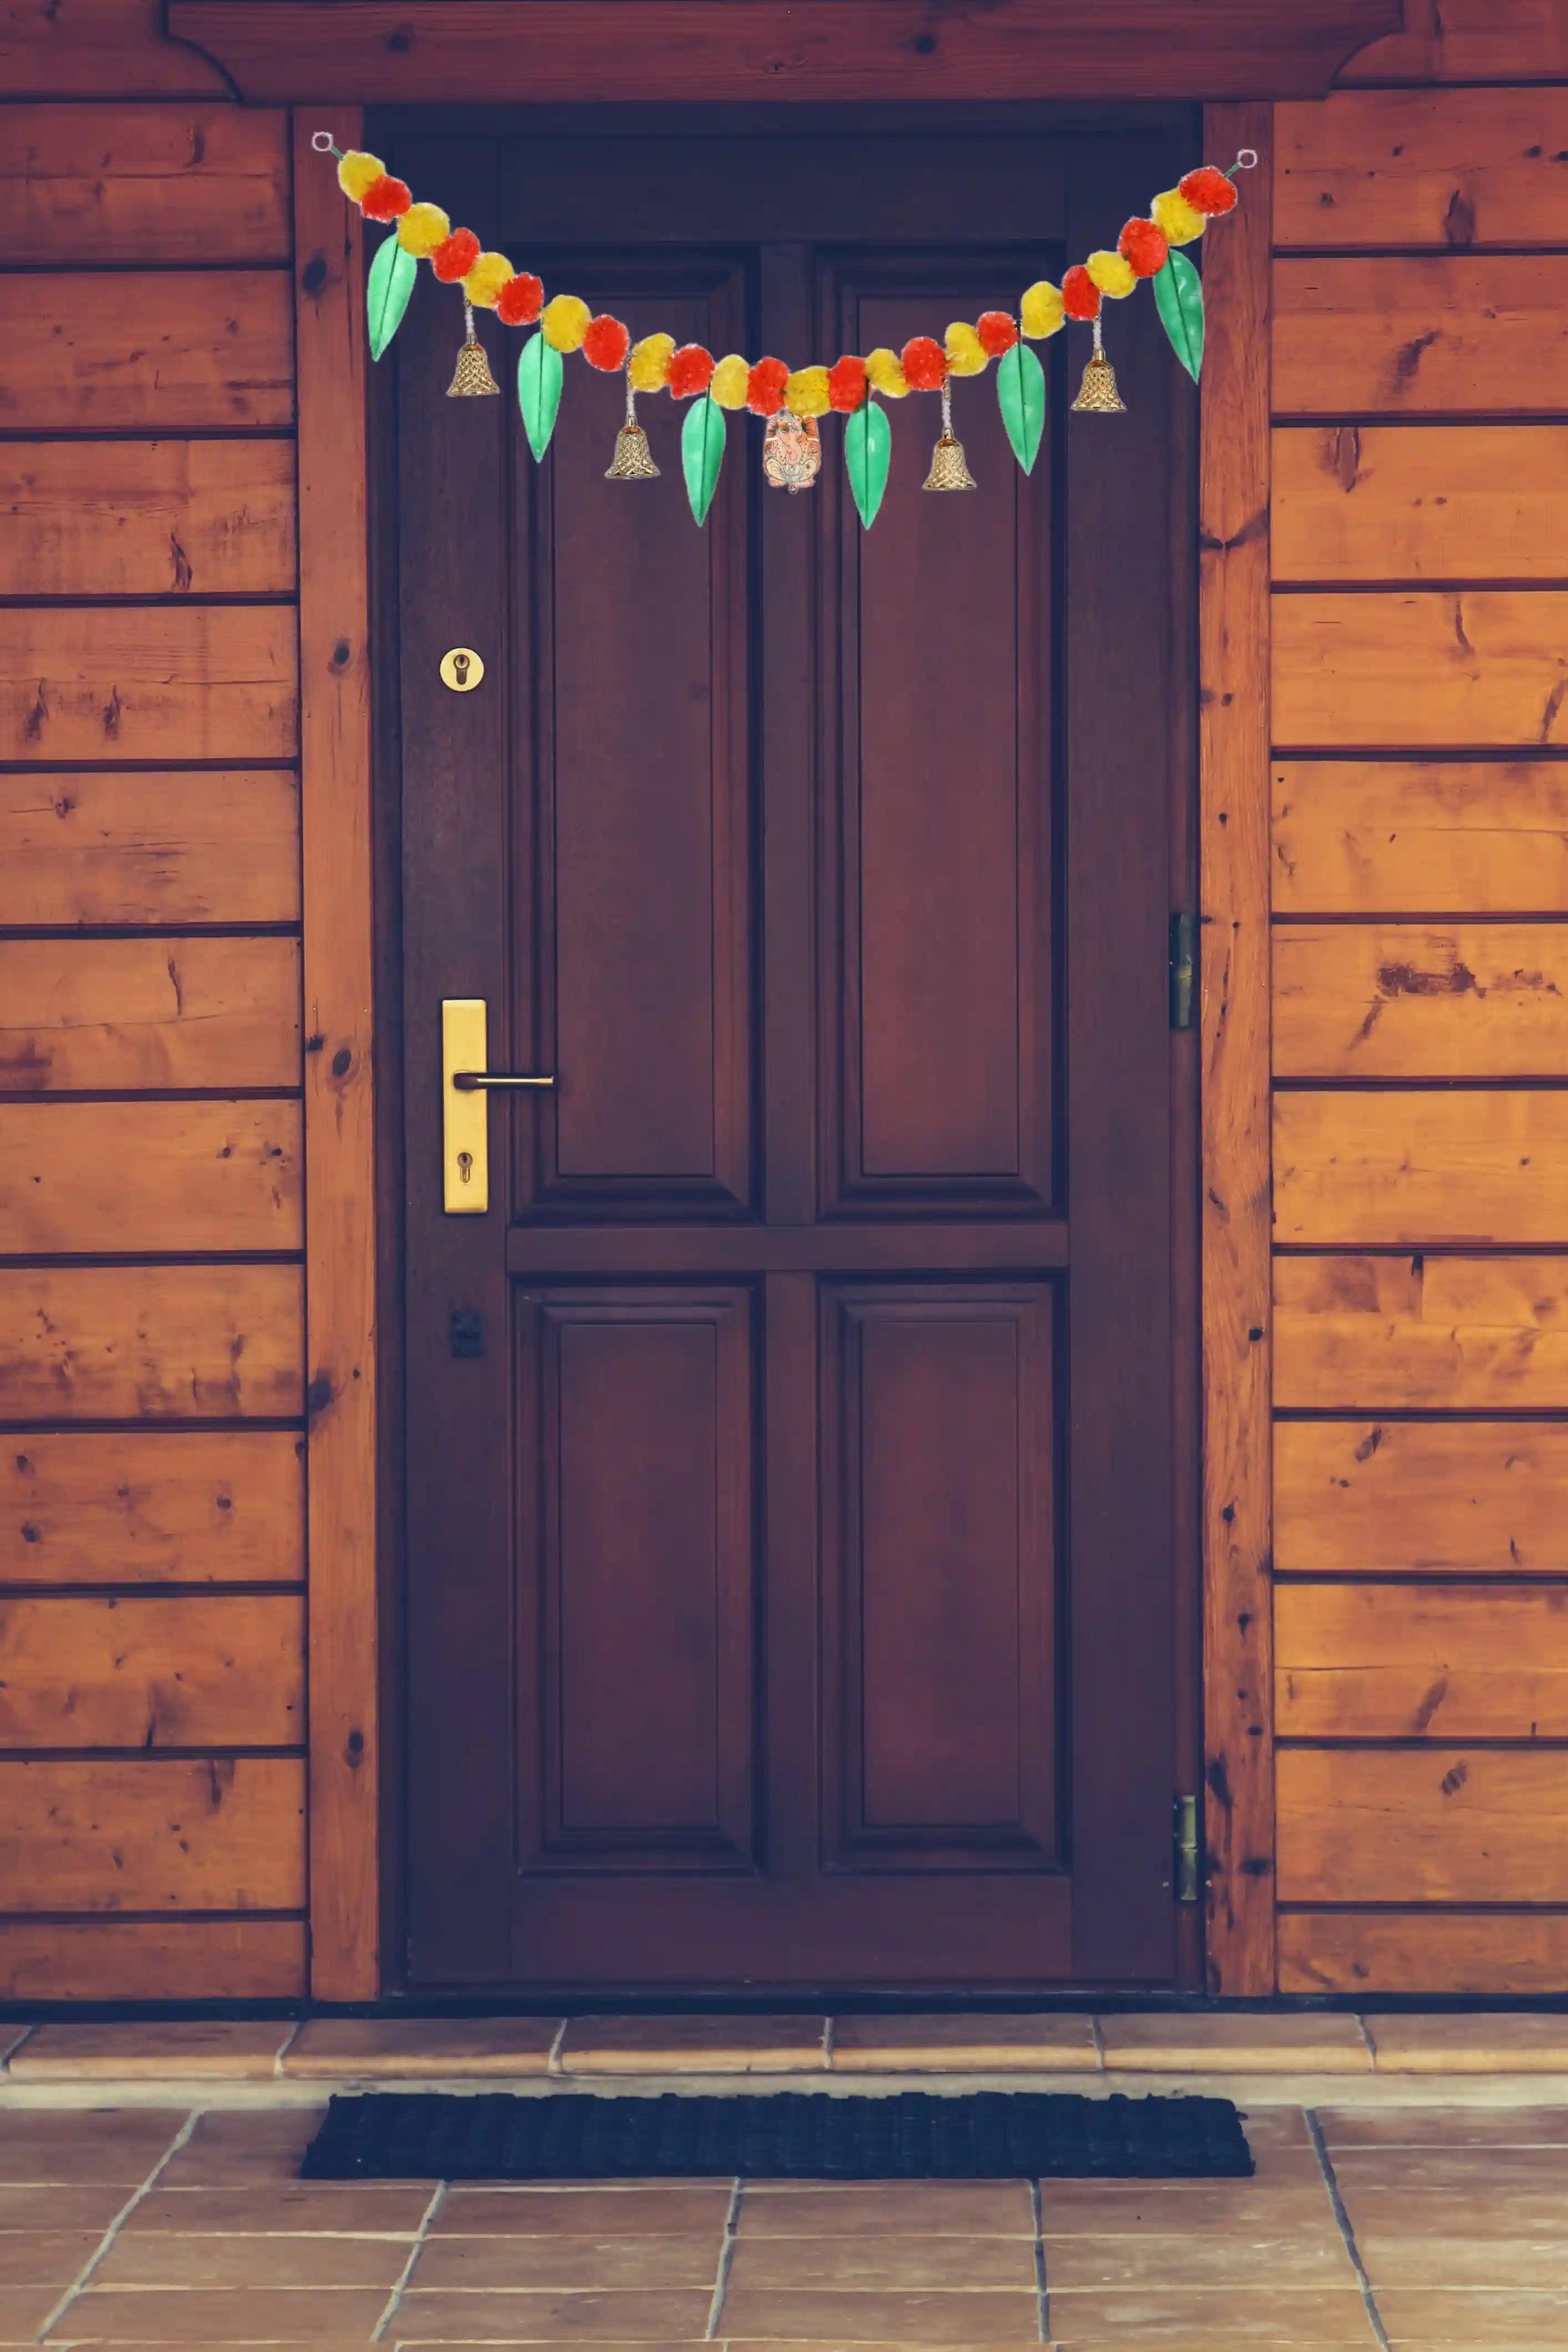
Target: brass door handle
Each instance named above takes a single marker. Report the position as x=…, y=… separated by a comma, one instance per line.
x=468, y=1082
x=465, y=1114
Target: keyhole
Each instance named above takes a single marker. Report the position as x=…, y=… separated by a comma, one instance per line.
x=466, y=1166
x=461, y=664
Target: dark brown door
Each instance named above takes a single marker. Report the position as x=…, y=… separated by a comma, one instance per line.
x=790, y=1578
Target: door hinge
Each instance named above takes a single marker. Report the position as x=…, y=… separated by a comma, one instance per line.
x=1183, y=962
x=1189, y=1870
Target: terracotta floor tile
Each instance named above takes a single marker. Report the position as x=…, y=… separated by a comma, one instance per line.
x=1168, y=2343
x=235, y=2051
x=1481, y=2214
x=1542, y=2171
x=1004, y=2316
x=1519, y=2126
x=1535, y=2045
x=117, y=2145
x=692, y=2045
x=1214, y=2259
x=231, y=2148
x=880, y=2264
x=358, y=2209
x=573, y=2264
x=236, y=2315
x=1434, y=2261
x=968, y=2208
x=46, y=2257
x=85, y=2205
x=653, y=2211
x=158, y=2258
x=1099, y=2209
x=1468, y=2321
x=975, y=2044
x=23, y=2311
x=450, y=2046
x=672, y=2316
x=1276, y=2128
x=1261, y=2044
x=1141, y=2317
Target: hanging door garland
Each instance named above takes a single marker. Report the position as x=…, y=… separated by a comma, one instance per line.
x=790, y=399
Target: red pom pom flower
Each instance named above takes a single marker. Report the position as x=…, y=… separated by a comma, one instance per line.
x=1144, y=247
x=765, y=387
x=520, y=301
x=1080, y=295
x=691, y=372
x=924, y=364
x=387, y=199
x=607, y=344
x=1208, y=190
x=846, y=385
x=455, y=256
x=997, y=332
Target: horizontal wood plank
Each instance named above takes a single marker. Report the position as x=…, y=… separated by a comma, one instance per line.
x=170, y=1012
x=149, y=683
x=1417, y=334
x=86, y=1178
x=1519, y=1952
x=1382, y=167
x=1443, y=1825
x=1420, y=836
x=153, y=1833
x=159, y=1506
x=1479, y=1496
x=147, y=518
x=1421, y=1001
x=151, y=1960
x=1401, y=502
x=137, y=351
x=1483, y=1165
x=144, y=184
x=1421, y=1661
x=149, y=848
x=1477, y=666
x=110, y=49
x=1429, y=1333
x=152, y=1343
x=178, y=1670
x=1468, y=40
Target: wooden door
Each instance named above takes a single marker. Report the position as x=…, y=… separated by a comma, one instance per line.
x=790, y=1588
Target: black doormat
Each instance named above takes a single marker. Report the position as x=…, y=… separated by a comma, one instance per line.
x=779, y=2135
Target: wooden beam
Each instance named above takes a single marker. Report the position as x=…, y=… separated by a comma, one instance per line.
x=1234, y=828
x=340, y=1172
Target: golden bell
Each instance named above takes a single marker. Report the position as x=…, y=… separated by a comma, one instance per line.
x=633, y=460
x=471, y=377
x=1097, y=395
x=948, y=467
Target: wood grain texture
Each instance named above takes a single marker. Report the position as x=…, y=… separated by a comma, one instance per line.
x=153, y=1506
x=1483, y=1165
x=1478, y=667
x=340, y=1126
x=1403, y=335
x=147, y=518
x=1445, y=1334
x=1421, y=1001
x=203, y=683
x=1402, y=167
x=1478, y=1496
x=1519, y=1952
x=153, y=1833
x=151, y=1343
x=151, y=1960
x=181, y=1670
x=1420, y=836
x=1234, y=623
x=1421, y=1661
x=1443, y=1825
x=150, y=848
x=1468, y=40
x=84, y=1177
x=85, y=49
x=169, y=1011
x=133, y=350
x=145, y=183
x=1409, y=502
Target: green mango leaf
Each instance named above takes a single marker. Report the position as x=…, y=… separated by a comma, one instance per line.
x=867, y=453
x=1179, y=298
x=1021, y=395
x=702, y=453
x=392, y=277
x=539, y=391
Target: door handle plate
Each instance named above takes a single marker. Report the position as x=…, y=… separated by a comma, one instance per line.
x=465, y=1114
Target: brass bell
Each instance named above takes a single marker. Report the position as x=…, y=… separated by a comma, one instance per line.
x=471, y=377
x=633, y=460
x=949, y=465
x=1097, y=395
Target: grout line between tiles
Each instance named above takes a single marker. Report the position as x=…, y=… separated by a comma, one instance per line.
x=1099, y=2044
x=552, y=2064
x=1042, y=2290
x=1371, y=2044
x=85, y=2275
x=378, y=2332
x=11, y=2048
x=1337, y=2206
x=828, y=2025
x=286, y=2045
x=726, y=2256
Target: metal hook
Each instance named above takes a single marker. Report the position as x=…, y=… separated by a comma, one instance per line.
x=323, y=143
x=1246, y=160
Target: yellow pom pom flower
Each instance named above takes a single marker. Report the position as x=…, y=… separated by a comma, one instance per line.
x=965, y=352
x=1112, y=274
x=805, y=393
x=486, y=278
x=730, y=378
x=422, y=228
x=565, y=321
x=1180, y=220
x=885, y=373
x=357, y=172
x=650, y=362
x=1040, y=312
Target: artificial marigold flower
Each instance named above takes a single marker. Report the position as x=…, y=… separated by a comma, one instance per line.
x=520, y=301
x=924, y=364
x=1180, y=220
x=885, y=370
x=691, y=372
x=565, y=321
x=997, y=332
x=847, y=385
x=650, y=362
x=1112, y=274
x=765, y=387
x=1041, y=312
x=607, y=344
x=965, y=352
x=357, y=171
x=484, y=281
x=386, y=199
x=730, y=378
x=807, y=393
x=1080, y=295
x=1207, y=189
x=421, y=229
x=1144, y=247
x=455, y=256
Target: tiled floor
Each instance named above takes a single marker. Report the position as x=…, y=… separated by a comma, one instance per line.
x=1366, y=2225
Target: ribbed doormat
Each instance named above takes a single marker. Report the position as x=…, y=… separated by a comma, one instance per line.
x=780, y=2136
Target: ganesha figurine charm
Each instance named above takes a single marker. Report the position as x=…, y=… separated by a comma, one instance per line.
x=791, y=451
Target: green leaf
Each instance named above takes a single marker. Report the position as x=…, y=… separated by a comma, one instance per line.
x=539, y=391
x=702, y=453
x=867, y=452
x=1021, y=395
x=392, y=277
x=1179, y=298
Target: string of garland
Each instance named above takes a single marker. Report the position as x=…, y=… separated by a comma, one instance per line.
x=790, y=399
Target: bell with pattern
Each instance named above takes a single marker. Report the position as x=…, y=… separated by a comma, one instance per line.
x=472, y=378
x=633, y=460
x=949, y=465
x=1097, y=395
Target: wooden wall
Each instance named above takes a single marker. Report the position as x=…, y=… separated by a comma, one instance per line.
x=1420, y=1011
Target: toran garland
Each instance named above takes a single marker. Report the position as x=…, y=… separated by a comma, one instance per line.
x=790, y=399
